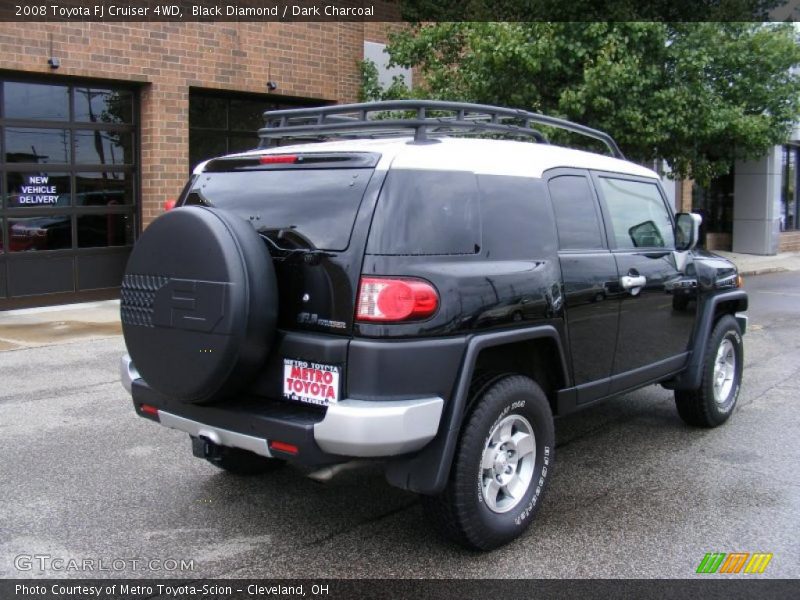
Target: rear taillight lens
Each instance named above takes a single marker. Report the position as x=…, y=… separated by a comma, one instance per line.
x=394, y=299
x=169, y=204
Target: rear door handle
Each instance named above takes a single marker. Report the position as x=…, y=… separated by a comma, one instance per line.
x=633, y=283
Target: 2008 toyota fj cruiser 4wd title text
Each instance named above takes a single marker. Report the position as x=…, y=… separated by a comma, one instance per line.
x=404, y=291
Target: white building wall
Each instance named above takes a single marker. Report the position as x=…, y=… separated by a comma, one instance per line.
x=377, y=54
x=757, y=204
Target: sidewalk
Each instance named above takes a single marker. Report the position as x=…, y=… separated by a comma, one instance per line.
x=33, y=327
x=754, y=264
x=44, y=326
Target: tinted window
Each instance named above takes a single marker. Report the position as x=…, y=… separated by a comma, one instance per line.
x=43, y=146
x=96, y=231
x=240, y=143
x=427, y=212
x=52, y=232
x=576, y=216
x=319, y=205
x=97, y=105
x=36, y=101
x=224, y=124
x=248, y=115
x=103, y=189
x=203, y=145
x=206, y=111
x=103, y=147
x=516, y=221
x=639, y=218
x=28, y=190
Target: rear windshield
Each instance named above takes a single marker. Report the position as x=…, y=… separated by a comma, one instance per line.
x=319, y=205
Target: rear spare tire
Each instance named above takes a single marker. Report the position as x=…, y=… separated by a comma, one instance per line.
x=199, y=303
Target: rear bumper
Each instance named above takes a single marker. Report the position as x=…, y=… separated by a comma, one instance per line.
x=741, y=319
x=349, y=428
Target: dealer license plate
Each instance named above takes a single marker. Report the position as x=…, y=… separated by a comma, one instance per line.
x=310, y=382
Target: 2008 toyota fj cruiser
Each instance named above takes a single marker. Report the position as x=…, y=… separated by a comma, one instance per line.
x=405, y=292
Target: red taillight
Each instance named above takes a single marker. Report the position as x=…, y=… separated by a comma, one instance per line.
x=148, y=410
x=169, y=204
x=283, y=447
x=274, y=159
x=389, y=299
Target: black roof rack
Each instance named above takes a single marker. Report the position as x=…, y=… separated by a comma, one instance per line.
x=374, y=119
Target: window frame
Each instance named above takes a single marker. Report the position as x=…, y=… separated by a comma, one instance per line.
x=608, y=221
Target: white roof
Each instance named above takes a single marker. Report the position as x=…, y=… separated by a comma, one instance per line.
x=495, y=157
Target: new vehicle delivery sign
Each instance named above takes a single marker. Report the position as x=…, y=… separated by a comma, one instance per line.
x=37, y=190
x=310, y=382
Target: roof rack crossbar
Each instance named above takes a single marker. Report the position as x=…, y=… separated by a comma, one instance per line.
x=374, y=119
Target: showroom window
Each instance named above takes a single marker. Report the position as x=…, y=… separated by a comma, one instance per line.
x=790, y=199
x=68, y=185
x=714, y=203
x=224, y=123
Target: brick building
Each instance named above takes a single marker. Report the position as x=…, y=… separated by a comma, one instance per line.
x=101, y=123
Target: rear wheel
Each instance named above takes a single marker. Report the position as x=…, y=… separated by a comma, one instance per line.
x=713, y=402
x=501, y=468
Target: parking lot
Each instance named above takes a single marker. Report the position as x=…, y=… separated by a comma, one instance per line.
x=636, y=493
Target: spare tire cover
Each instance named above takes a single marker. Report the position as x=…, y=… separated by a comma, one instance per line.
x=199, y=302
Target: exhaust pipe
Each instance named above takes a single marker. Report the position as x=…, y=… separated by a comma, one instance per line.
x=327, y=473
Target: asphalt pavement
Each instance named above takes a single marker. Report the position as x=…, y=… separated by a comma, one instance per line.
x=635, y=492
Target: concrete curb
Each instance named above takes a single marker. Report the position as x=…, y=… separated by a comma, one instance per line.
x=763, y=271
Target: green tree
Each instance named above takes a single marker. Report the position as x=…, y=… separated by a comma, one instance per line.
x=699, y=95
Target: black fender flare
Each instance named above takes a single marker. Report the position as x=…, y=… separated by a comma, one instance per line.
x=691, y=377
x=427, y=471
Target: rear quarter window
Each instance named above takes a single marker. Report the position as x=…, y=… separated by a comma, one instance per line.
x=517, y=221
x=424, y=212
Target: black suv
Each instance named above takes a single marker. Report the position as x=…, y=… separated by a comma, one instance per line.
x=397, y=283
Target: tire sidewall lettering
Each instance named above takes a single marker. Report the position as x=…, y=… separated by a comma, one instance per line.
x=527, y=511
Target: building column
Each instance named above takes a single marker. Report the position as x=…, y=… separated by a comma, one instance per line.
x=757, y=204
x=164, y=133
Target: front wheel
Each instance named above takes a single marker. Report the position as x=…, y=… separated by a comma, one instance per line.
x=713, y=402
x=502, y=465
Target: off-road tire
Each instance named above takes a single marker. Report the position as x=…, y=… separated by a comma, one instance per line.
x=699, y=407
x=460, y=511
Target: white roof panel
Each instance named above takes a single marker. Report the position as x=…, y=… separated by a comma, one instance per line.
x=495, y=157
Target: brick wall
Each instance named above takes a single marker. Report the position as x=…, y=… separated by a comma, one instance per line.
x=313, y=60
x=789, y=241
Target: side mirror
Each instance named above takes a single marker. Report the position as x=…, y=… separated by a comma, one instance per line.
x=687, y=230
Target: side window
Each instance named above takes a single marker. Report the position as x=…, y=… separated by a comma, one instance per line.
x=576, y=218
x=639, y=218
x=427, y=212
x=517, y=223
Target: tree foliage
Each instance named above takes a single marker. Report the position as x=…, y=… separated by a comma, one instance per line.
x=699, y=95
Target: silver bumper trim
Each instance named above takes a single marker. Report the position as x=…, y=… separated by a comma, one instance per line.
x=357, y=428
x=127, y=372
x=221, y=437
x=381, y=428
